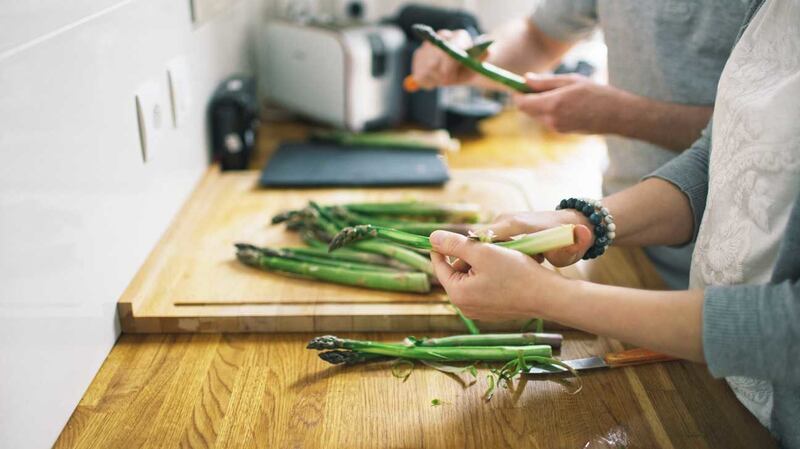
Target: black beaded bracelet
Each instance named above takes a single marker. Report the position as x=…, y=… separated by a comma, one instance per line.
x=600, y=217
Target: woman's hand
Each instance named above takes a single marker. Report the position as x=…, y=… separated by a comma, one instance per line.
x=489, y=282
x=431, y=67
x=509, y=225
x=571, y=103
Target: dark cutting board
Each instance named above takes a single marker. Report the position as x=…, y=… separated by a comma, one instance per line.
x=312, y=164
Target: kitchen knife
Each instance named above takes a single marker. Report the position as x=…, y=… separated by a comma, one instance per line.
x=637, y=356
x=478, y=48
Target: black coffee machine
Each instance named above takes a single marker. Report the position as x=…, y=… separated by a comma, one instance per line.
x=233, y=117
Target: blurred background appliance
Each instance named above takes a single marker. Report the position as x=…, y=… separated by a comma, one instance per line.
x=346, y=76
x=233, y=116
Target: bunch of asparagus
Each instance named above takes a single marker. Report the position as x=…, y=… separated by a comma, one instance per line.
x=454, y=348
x=387, y=243
x=376, y=264
x=516, y=353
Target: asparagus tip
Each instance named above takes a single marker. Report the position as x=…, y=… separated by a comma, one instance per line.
x=342, y=357
x=248, y=254
x=351, y=234
x=325, y=342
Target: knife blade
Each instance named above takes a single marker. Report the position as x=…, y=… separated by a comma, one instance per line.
x=630, y=357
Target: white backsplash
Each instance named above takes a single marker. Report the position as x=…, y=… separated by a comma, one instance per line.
x=79, y=209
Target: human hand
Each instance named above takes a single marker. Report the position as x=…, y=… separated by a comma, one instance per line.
x=431, y=67
x=571, y=103
x=508, y=225
x=491, y=283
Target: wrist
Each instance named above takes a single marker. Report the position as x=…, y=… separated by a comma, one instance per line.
x=601, y=221
x=572, y=216
x=629, y=111
x=557, y=295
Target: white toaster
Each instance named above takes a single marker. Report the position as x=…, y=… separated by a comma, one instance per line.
x=347, y=77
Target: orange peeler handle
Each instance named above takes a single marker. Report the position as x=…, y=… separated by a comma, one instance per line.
x=635, y=356
x=410, y=84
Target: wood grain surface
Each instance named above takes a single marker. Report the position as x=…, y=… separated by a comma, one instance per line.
x=192, y=281
x=267, y=391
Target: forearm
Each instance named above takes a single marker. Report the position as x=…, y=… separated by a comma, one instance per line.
x=653, y=212
x=669, y=125
x=666, y=321
x=521, y=47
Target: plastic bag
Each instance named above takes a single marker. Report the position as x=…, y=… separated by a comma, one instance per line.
x=616, y=438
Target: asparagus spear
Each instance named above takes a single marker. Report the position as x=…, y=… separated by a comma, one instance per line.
x=353, y=254
x=457, y=212
x=392, y=281
x=521, y=339
x=321, y=257
x=490, y=71
x=535, y=243
x=331, y=225
x=413, y=227
x=440, y=354
x=361, y=232
x=320, y=249
x=403, y=255
x=351, y=357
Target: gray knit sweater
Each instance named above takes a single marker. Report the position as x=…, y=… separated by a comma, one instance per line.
x=750, y=330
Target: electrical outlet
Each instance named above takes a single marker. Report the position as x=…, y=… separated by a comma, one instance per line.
x=180, y=92
x=151, y=114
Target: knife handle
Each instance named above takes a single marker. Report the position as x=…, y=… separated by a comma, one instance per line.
x=636, y=356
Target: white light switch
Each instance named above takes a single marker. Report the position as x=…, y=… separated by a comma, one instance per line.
x=179, y=90
x=152, y=115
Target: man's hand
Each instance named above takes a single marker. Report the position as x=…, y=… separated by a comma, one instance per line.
x=490, y=282
x=571, y=103
x=431, y=67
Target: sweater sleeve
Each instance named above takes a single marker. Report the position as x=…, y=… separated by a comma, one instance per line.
x=689, y=172
x=566, y=21
x=753, y=331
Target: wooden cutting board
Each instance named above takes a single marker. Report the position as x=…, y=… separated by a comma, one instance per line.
x=193, y=282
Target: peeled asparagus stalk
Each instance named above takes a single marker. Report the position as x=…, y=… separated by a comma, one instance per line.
x=520, y=339
x=535, y=243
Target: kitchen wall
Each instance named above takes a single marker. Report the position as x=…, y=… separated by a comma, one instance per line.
x=79, y=207
x=491, y=13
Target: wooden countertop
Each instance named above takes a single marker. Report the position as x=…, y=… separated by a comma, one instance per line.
x=266, y=390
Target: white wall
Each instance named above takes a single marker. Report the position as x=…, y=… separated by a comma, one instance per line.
x=491, y=13
x=79, y=209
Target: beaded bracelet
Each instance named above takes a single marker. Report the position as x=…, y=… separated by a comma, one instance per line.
x=600, y=217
